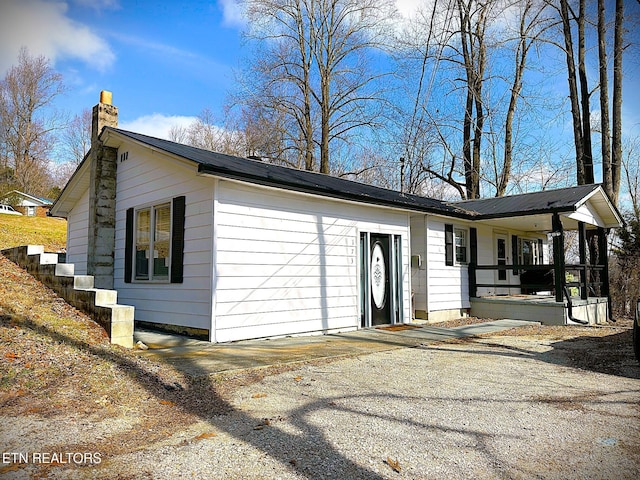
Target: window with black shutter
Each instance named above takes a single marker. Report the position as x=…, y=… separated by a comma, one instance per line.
x=154, y=242
x=448, y=244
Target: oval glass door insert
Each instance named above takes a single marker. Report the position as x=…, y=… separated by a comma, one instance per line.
x=378, y=273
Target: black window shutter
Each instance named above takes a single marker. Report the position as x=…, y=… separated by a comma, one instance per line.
x=448, y=244
x=473, y=244
x=128, y=246
x=514, y=252
x=177, y=240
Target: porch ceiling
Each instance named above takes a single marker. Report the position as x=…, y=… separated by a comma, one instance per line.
x=541, y=223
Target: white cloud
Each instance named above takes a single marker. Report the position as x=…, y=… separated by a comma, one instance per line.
x=99, y=4
x=232, y=14
x=408, y=8
x=44, y=28
x=157, y=124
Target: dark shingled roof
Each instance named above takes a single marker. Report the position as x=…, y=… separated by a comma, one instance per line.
x=561, y=200
x=255, y=171
x=262, y=173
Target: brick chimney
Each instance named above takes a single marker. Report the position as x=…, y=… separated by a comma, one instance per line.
x=102, y=195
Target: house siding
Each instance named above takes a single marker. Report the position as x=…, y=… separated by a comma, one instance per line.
x=150, y=178
x=289, y=263
x=448, y=286
x=77, y=234
x=418, y=274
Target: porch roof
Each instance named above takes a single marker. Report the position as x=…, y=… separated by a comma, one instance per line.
x=532, y=211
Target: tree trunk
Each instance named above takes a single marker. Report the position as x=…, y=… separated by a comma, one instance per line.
x=471, y=146
x=587, y=158
x=324, y=127
x=604, y=101
x=616, y=154
x=516, y=88
x=573, y=92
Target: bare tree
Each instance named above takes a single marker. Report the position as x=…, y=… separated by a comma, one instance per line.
x=26, y=96
x=474, y=18
x=578, y=87
x=533, y=23
x=206, y=134
x=311, y=66
x=76, y=137
x=631, y=168
x=616, y=152
x=607, y=178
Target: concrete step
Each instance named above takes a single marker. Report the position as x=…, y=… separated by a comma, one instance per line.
x=77, y=290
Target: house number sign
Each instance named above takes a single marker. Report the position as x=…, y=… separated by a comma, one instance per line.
x=378, y=284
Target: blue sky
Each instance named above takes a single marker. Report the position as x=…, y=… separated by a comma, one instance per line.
x=164, y=61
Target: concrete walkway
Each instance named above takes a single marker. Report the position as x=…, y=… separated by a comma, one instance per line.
x=198, y=358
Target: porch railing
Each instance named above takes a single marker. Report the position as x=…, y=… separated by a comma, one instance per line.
x=588, y=278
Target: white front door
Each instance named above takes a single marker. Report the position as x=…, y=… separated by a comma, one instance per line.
x=501, y=258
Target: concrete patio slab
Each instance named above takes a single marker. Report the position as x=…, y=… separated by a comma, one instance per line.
x=198, y=358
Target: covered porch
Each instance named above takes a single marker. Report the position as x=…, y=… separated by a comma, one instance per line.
x=557, y=287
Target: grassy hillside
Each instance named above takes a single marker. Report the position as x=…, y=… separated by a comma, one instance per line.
x=22, y=230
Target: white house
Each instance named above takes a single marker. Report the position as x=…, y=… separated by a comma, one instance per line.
x=230, y=248
x=30, y=205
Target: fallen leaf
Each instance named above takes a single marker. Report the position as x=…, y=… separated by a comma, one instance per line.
x=266, y=422
x=202, y=436
x=167, y=402
x=10, y=356
x=394, y=464
x=258, y=395
x=298, y=378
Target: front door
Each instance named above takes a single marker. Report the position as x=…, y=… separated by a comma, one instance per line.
x=379, y=276
x=501, y=250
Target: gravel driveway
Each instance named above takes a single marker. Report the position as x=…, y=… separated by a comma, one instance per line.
x=496, y=407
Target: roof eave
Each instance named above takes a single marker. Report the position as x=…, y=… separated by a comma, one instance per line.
x=70, y=195
x=208, y=169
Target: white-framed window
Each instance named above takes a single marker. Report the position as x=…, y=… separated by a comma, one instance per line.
x=154, y=242
x=152, y=245
x=461, y=245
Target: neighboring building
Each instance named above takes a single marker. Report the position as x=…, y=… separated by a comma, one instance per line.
x=31, y=205
x=230, y=248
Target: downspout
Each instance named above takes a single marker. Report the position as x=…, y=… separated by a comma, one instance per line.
x=570, y=308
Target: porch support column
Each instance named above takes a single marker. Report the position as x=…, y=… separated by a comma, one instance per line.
x=558, y=255
x=473, y=244
x=604, y=258
x=582, y=248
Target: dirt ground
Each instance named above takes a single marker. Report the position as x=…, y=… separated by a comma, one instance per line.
x=533, y=402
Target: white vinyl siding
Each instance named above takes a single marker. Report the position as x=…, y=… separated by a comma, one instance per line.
x=418, y=274
x=78, y=233
x=448, y=286
x=147, y=178
x=288, y=263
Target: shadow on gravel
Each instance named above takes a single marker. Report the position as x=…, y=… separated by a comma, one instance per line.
x=610, y=354
x=267, y=438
